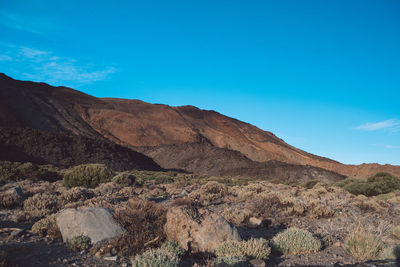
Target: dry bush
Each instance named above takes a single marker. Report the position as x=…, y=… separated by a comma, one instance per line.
x=43, y=225
x=107, y=188
x=144, y=222
x=210, y=192
x=76, y=194
x=236, y=215
x=41, y=204
x=364, y=244
x=295, y=241
x=268, y=205
x=396, y=231
x=11, y=199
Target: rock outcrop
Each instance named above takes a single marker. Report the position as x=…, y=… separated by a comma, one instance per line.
x=95, y=223
x=198, y=229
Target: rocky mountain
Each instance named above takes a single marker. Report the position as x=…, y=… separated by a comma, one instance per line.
x=184, y=137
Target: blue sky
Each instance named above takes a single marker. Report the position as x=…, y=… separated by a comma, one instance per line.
x=322, y=75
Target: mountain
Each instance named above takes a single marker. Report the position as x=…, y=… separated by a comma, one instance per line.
x=184, y=137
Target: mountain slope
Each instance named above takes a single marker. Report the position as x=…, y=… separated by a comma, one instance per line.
x=136, y=124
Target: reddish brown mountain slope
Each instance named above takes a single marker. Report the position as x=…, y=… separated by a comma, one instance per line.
x=138, y=124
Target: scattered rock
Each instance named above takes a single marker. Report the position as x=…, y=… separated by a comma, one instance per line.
x=198, y=229
x=17, y=233
x=255, y=222
x=114, y=258
x=96, y=223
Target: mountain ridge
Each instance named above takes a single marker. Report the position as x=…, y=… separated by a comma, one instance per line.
x=137, y=124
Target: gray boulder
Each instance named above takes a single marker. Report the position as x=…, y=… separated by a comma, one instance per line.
x=198, y=229
x=95, y=223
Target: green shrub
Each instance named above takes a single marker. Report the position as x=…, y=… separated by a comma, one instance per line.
x=156, y=258
x=44, y=224
x=309, y=184
x=295, y=241
x=380, y=183
x=364, y=244
x=252, y=248
x=87, y=175
x=78, y=243
x=124, y=179
x=234, y=261
x=174, y=248
x=16, y=171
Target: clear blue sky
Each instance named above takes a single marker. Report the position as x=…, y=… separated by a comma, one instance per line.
x=322, y=75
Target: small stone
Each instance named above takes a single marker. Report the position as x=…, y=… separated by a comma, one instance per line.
x=107, y=255
x=17, y=232
x=114, y=258
x=98, y=254
x=336, y=244
x=255, y=222
x=65, y=260
x=257, y=263
x=184, y=192
x=124, y=264
x=114, y=251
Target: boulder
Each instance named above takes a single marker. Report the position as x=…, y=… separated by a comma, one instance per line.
x=95, y=223
x=198, y=229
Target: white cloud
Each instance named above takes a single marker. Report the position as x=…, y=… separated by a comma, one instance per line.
x=391, y=124
x=44, y=66
x=5, y=58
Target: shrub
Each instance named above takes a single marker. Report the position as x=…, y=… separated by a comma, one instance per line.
x=268, y=205
x=390, y=253
x=41, y=204
x=210, y=192
x=235, y=261
x=174, y=248
x=11, y=198
x=78, y=243
x=328, y=240
x=87, y=175
x=43, y=225
x=76, y=194
x=396, y=231
x=380, y=183
x=364, y=244
x=295, y=241
x=309, y=184
x=236, y=216
x=252, y=248
x=124, y=179
x=156, y=258
x=144, y=222
x=20, y=171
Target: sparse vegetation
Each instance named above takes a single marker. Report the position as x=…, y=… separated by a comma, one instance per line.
x=210, y=192
x=156, y=258
x=44, y=224
x=364, y=244
x=41, y=204
x=252, y=248
x=16, y=171
x=124, y=179
x=144, y=222
x=396, y=231
x=78, y=243
x=380, y=183
x=236, y=215
x=87, y=175
x=295, y=241
x=235, y=261
x=174, y=248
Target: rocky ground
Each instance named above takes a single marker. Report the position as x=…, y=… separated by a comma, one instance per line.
x=156, y=206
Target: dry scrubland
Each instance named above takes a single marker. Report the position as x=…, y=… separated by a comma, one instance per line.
x=351, y=222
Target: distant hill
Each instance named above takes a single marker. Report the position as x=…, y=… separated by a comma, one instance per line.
x=183, y=137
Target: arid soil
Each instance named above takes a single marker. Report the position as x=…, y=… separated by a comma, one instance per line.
x=325, y=211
